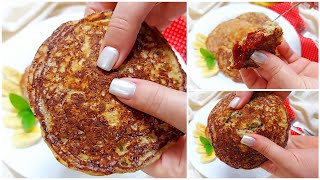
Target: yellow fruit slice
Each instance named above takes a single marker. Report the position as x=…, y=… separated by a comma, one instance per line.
x=11, y=120
x=9, y=87
x=23, y=140
x=6, y=105
x=201, y=150
x=206, y=159
x=197, y=45
x=197, y=133
x=210, y=72
x=201, y=63
x=200, y=126
x=197, y=141
x=201, y=38
x=11, y=74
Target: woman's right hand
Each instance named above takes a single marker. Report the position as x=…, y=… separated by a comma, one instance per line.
x=299, y=159
x=291, y=72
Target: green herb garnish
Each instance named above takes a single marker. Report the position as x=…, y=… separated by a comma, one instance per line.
x=207, y=145
x=208, y=57
x=28, y=120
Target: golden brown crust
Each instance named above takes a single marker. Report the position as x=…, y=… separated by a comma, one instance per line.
x=222, y=39
x=87, y=128
x=265, y=114
x=24, y=83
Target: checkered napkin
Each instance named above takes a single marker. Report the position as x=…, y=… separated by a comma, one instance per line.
x=176, y=35
x=309, y=49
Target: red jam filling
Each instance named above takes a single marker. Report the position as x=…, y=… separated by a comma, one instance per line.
x=241, y=53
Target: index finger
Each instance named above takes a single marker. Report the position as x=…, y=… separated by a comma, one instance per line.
x=288, y=54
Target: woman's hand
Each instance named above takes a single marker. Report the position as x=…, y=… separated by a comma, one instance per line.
x=165, y=104
x=125, y=24
x=243, y=97
x=291, y=72
x=299, y=159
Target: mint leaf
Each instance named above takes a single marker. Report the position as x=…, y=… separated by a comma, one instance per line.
x=210, y=63
x=207, y=145
x=18, y=102
x=28, y=121
x=204, y=140
x=209, y=149
x=205, y=53
x=208, y=57
x=24, y=112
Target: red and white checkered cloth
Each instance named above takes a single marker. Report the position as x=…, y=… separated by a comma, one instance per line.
x=176, y=35
x=309, y=49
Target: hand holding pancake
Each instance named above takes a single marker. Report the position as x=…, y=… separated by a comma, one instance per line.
x=293, y=72
x=165, y=104
x=125, y=24
x=299, y=159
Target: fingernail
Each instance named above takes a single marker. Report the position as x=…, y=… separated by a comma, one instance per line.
x=234, y=103
x=247, y=140
x=122, y=88
x=107, y=58
x=259, y=57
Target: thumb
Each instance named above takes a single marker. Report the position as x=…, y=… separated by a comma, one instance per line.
x=154, y=99
x=275, y=153
x=275, y=70
x=241, y=99
x=122, y=32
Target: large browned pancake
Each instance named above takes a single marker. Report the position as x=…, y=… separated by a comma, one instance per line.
x=87, y=128
x=222, y=39
x=264, y=114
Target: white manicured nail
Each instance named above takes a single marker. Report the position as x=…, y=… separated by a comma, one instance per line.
x=247, y=140
x=234, y=103
x=259, y=57
x=107, y=58
x=122, y=88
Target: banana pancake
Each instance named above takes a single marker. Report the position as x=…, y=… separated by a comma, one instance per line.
x=87, y=128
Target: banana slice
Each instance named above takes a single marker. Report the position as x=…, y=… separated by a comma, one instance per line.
x=11, y=120
x=200, y=126
x=210, y=72
x=23, y=140
x=201, y=38
x=197, y=133
x=9, y=87
x=11, y=74
x=197, y=141
x=201, y=63
x=206, y=159
x=6, y=105
x=197, y=45
x=201, y=150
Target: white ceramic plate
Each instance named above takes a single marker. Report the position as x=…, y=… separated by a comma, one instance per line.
x=38, y=161
x=212, y=19
x=216, y=168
